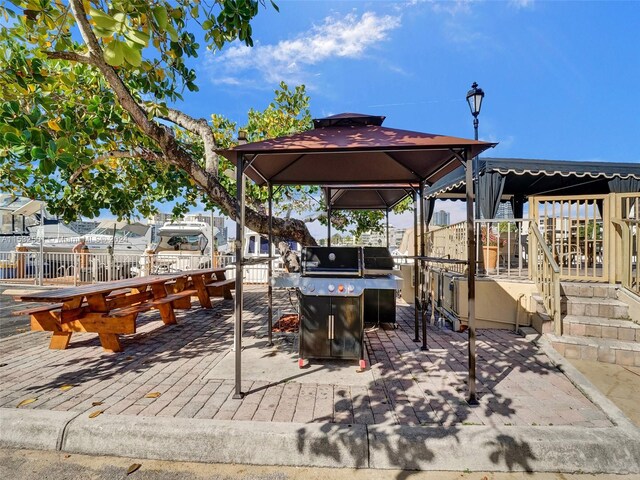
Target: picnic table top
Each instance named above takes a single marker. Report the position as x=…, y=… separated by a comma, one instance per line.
x=204, y=271
x=65, y=294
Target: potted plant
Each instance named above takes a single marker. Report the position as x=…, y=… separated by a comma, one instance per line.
x=490, y=243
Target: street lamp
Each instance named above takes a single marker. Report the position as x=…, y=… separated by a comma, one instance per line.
x=474, y=99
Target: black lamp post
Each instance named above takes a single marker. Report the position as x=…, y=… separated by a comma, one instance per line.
x=474, y=99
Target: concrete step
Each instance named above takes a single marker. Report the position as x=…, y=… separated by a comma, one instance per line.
x=541, y=322
x=587, y=290
x=601, y=327
x=595, y=307
x=603, y=350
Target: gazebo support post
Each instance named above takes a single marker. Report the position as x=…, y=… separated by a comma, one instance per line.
x=423, y=253
x=471, y=278
x=329, y=224
x=239, y=260
x=416, y=299
x=387, y=228
x=270, y=269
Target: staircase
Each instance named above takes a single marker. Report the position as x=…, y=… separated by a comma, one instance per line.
x=595, y=325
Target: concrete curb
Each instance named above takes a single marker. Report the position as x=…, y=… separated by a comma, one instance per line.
x=187, y=439
x=36, y=429
x=524, y=449
x=478, y=448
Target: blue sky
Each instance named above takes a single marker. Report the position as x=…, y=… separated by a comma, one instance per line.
x=561, y=78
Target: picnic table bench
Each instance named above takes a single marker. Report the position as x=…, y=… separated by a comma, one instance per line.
x=111, y=309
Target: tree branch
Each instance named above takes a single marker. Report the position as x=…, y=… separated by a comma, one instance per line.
x=143, y=154
x=199, y=127
x=70, y=56
x=173, y=151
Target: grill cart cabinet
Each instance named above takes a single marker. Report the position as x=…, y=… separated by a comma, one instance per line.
x=331, y=327
x=379, y=306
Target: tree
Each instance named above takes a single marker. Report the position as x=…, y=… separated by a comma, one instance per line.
x=86, y=121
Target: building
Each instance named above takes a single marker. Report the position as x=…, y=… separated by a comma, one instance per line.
x=505, y=210
x=441, y=218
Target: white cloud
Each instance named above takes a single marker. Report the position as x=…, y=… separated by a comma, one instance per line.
x=453, y=7
x=521, y=3
x=347, y=37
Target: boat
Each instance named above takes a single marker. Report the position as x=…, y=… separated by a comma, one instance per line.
x=180, y=246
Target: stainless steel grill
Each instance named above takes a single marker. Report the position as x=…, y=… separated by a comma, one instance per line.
x=336, y=289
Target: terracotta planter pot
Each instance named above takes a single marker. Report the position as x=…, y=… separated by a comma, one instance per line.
x=490, y=254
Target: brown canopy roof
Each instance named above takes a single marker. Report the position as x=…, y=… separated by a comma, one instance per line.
x=366, y=197
x=353, y=148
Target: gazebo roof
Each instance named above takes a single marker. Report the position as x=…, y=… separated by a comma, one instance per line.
x=366, y=197
x=353, y=148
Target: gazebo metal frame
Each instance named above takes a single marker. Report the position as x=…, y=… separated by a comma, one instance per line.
x=351, y=149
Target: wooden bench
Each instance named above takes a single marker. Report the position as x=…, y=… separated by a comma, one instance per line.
x=221, y=288
x=38, y=309
x=159, y=304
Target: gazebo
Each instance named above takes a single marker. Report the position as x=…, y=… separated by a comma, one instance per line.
x=352, y=149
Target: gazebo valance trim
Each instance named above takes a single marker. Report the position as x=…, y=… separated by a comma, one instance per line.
x=565, y=169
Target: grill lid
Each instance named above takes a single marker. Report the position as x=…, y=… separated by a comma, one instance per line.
x=331, y=261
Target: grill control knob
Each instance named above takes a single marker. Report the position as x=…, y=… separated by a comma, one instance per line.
x=350, y=288
x=341, y=288
x=311, y=288
x=331, y=287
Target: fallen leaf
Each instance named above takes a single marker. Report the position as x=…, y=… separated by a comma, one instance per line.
x=129, y=358
x=67, y=456
x=133, y=467
x=26, y=402
x=95, y=404
x=3, y=364
x=152, y=395
x=66, y=387
x=96, y=413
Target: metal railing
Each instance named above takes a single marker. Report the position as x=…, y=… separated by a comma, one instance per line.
x=449, y=241
x=545, y=272
x=501, y=243
x=70, y=269
x=502, y=246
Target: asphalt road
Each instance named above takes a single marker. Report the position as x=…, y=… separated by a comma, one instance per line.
x=31, y=464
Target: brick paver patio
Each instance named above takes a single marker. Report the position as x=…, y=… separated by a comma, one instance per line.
x=517, y=385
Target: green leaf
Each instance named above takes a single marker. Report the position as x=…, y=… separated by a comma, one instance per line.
x=161, y=16
x=47, y=166
x=102, y=19
x=120, y=17
x=172, y=33
x=132, y=55
x=113, y=53
x=38, y=153
x=11, y=137
x=64, y=160
x=139, y=37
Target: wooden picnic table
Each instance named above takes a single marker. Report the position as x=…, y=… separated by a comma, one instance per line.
x=111, y=309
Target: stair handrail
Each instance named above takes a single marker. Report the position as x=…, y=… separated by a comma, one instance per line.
x=627, y=280
x=546, y=275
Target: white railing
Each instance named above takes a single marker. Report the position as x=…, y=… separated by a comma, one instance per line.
x=60, y=269
x=502, y=246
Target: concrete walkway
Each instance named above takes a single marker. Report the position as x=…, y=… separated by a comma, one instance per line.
x=173, y=385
